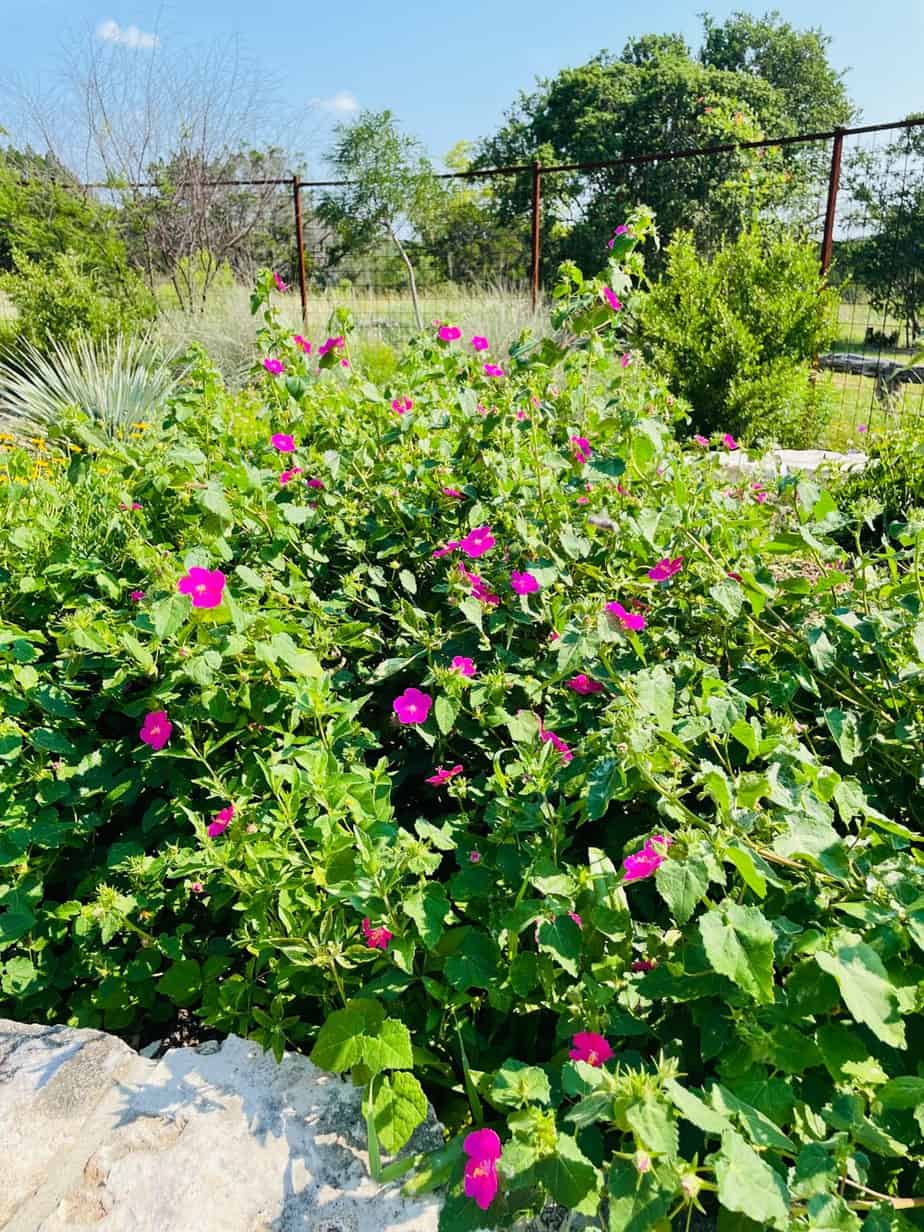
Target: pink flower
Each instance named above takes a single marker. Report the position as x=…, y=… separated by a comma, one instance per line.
x=453, y=492
x=449, y=546
x=554, y=635
x=736, y=577
x=584, y=685
x=573, y=915
x=493, y=370
x=401, y=405
x=344, y=363
x=332, y=344
x=412, y=706
x=643, y=964
x=474, y=857
x=220, y=821
x=287, y=476
x=280, y=285
x=759, y=494
x=302, y=343
x=156, y=729
x=479, y=343
x=666, y=568
x=133, y=505
x=465, y=667
x=729, y=441
x=477, y=542
x=559, y=745
x=136, y=596
x=625, y=359
x=443, y=775
x=612, y=299
x=274, y=366
x=647, y=861
x=591, y=1048
x=283, y=442
x=582, y=449
x=204, y=586
x=583, y=500
x=376, y=938
x=196, y=887
x=701, y=440
x=622, y=229
x=628, y=620
x=483, y=1149
x=862, y=428
x=523, y=583
x=521, y=415
x=315, y=483
x=449, y=333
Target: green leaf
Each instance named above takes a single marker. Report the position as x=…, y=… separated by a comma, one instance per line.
x=692, y=1108
x=181, y=982
x=340, y=1041
x=605, y=778
x=845, y=730
x=251, y=580
x=473, y=612
x=682, y=883
x=398, y=1108
x=446, y=711
x=637, y=1203
x=570, y=1177
x=905, y=1092
x=866, y=991
x=818, y=841
x=516, y=1085
x=749, y=1185
x=750, y=875
x=816, y=1171
x=475, y=964
x=388, y=1048
x=655, y=1129
x=739, y=945
x=139, y=653
x=655, y=694
x=830, y=1213
x=214, y=500
x=524, y=973
x=16, y=919
x=561, y=938
x=428, y=907
x=759, y=1128
x=169, y=614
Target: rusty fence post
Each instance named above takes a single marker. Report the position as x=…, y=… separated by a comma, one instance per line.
x=300, y=241
x=834, y=182
x=537, y=206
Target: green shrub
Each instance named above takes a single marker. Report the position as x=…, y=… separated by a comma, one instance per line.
x=689, y=824
x=735, y=334
x=63, y=299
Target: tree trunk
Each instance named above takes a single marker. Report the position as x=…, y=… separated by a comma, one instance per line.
x=412, y=282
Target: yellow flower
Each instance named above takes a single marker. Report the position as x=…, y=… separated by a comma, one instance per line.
x=141, y=425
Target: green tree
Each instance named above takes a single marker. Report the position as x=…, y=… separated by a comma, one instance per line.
x=391, y=189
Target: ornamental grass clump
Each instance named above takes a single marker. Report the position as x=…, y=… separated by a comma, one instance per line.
x=597, y=826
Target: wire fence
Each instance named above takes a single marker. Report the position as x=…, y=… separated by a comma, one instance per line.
x=498, y=235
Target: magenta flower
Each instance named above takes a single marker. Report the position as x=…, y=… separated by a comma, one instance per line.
x=559, y=745
x=477, y=542
x=666, y=568
x=523, y=583
x=136, y=596
x=332, y=344
x=283, y=442
x=647, y=861
x=483, y=1149
x=480, y=589
x=643, y=964
x=493, y=370
x=196, y=887
x=591, y=1048
x=759, y=494
x=315, y=483
x=862, y=428
x=133, y=505
x=220, y=822
x=729, y=441
x=302, y=343
x=612, y=299
x=462, y=665
x=736, y=577
x=474, y=857
x=521, y=415
x=583, y=500
x=702, y=440
x=622, y=229
x=573, y=915
x=625, y=359
x=453, y=492
x=344, y=363
x=204, y=586
x=412, y=706
x=401, y=405
x=443, y=776
x=628, y=620
x=449, y=546
x=449, y=333
x=156, y=729
x=287, y=476
x=584, y=685
x=376, y=938
x=479, y=343
x=582, y=449
x=274, y=366
x=280, y=285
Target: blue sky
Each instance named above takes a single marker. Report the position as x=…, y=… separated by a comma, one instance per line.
x=448, y=70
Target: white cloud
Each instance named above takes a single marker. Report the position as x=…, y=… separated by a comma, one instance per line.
x=110, y=31
x=344, y=102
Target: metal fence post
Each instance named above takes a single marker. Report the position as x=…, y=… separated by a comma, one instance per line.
x=537, y=205
x=300, y=241
x=834, y=182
